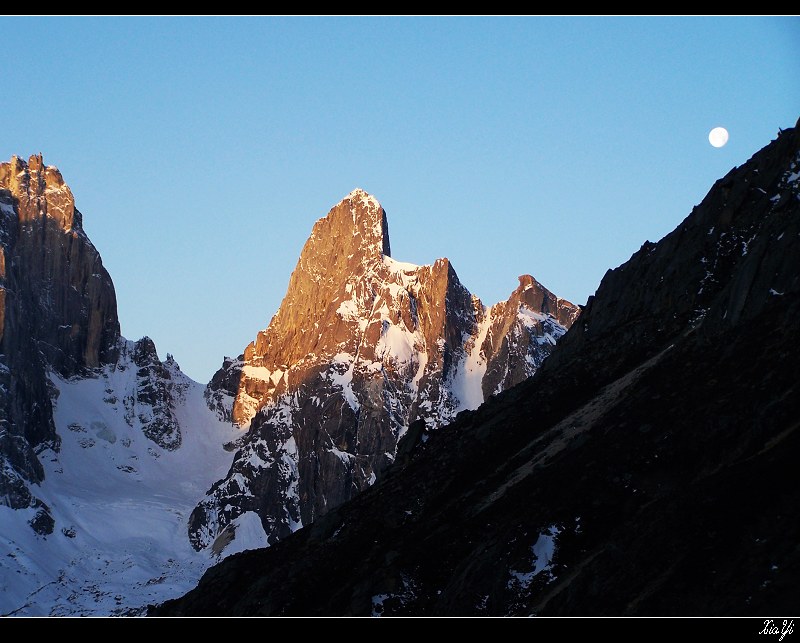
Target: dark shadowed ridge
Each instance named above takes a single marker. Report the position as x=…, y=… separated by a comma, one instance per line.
x=649, y=468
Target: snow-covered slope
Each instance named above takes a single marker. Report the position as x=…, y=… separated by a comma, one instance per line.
x=120, y=500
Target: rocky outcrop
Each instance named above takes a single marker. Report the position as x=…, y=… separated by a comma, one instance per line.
x=153, y=400
x=57, y=311
x=521, y=333
x=54, y=271
x=223, y=388
x=648, y=468
x=361, y=347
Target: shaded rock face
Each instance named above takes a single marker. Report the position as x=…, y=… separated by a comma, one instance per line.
x=153, y=400
x=521, y=333
x=648, y=468
x=223, y=388
x=57, y=311
x=361, y=347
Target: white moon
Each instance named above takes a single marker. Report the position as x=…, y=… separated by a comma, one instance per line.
x=718, y=136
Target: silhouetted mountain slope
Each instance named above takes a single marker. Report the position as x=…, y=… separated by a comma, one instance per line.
x=648, y=468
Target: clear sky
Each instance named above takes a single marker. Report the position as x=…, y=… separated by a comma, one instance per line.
x=202, y=150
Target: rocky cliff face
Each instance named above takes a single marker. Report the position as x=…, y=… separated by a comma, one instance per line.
x=53, y=272
x=362, y=347
x=58, y=312
x=647, y=469
x=58, y=316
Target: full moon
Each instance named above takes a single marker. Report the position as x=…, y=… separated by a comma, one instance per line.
x=718, y=136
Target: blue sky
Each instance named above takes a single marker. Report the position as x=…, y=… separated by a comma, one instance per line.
x=202, y=150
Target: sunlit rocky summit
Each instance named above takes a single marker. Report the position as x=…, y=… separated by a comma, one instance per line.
x=364, y=354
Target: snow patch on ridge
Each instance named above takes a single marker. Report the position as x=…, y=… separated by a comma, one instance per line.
x=256, y=372
x=348, y=309
x=400, y=267
x=542, y=553
x=361, y=196
x=468, y=381
x=532, y=321
x=395, y=344
x=247, y=533
x=345, y=379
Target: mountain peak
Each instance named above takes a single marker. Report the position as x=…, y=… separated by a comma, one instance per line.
x=360, y=216
x=353, y=232
x=362, y=348
x=535, y=296
x=346, y=246
x=366, y=199
x=39, y=191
